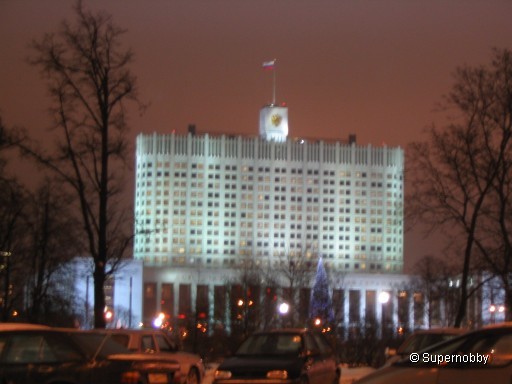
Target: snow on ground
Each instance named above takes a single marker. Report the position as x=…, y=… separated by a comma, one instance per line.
x=349, y=375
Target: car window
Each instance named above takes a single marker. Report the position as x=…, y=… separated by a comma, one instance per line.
x=63, y=349
x=121, y=339
x=324, y=346
x=497, y=344
x=450, y=347
x=503, y=346
x=163, y=344
x=420, y=341
x=97, y=344
x=25, y=349
x=288, y=345
x=311, y=345
x=475, y=343
x=147, y=343
x=271, y=344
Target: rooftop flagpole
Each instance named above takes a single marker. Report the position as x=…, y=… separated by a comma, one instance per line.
x=271, y=66
x=274, y=73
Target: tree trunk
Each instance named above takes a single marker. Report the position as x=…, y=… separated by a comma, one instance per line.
x=99, y=295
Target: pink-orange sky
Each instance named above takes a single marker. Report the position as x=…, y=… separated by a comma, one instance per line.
x=372, y=68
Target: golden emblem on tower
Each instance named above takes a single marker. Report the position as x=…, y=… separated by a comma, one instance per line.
x=276, y=120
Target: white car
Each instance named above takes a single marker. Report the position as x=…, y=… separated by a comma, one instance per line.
x=38, y=354
x=481, y=356
x=156, y=342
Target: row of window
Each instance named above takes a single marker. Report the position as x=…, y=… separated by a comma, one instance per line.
x=264, y=169
x=232, y=261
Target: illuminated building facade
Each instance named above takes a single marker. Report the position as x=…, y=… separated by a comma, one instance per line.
x=213, y=201
x=204, y=205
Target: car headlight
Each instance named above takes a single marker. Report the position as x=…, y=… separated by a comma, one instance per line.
x=277, y=374
x=219, y=374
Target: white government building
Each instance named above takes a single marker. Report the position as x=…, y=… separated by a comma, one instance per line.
x=206, y=204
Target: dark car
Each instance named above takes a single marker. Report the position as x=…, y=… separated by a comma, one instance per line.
x=157, y=343
x=36, y=354
x=281, y=356
x=422, y=339
x=481, y=356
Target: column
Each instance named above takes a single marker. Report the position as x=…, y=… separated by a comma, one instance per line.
x=362, y=307
x=211, y=308
x=394, y=300
x=346, y=306
x=410, y=303
x=378, y=314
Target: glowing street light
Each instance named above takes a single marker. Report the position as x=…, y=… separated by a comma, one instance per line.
x=284, y=308
x=108, y=314
x=384, y=297
x=159, y=320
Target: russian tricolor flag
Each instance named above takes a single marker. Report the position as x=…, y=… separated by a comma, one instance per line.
x=269, y=65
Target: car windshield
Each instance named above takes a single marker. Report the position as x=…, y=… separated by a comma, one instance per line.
x=484, y=343
x=98, y=345
x=495, y=343
x=421, y=341
x=271, y=344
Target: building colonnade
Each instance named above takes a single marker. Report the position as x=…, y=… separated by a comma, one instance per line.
x=216, y=298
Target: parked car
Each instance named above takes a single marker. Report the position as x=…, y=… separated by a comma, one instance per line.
x=157, y=343
x=36, y=354
x=281, y=356
x=421, y=339
x=481, y=356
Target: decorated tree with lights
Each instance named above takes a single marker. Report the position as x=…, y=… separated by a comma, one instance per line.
x=320, y=307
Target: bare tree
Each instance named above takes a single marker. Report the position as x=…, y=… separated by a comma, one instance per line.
x=245, y=298
x=50, y=241
x=436, y=280
x=90, y=83
x=12, y=201
x=454, y=173
x=297, y=271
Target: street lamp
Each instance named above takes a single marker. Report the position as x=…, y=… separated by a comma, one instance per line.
x=108, y=314
x=284, y=308
x=492, y=310
x=158, y=321
x=384, y=297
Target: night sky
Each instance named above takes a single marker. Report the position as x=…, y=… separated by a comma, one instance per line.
x=376, y=69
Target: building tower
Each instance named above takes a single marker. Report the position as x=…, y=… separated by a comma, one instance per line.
x=274, y=123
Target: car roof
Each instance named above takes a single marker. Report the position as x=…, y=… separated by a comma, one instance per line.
x=4, y=327
x=130, y=331
x=283, y=330
x=441, y=331
x=504, y=325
